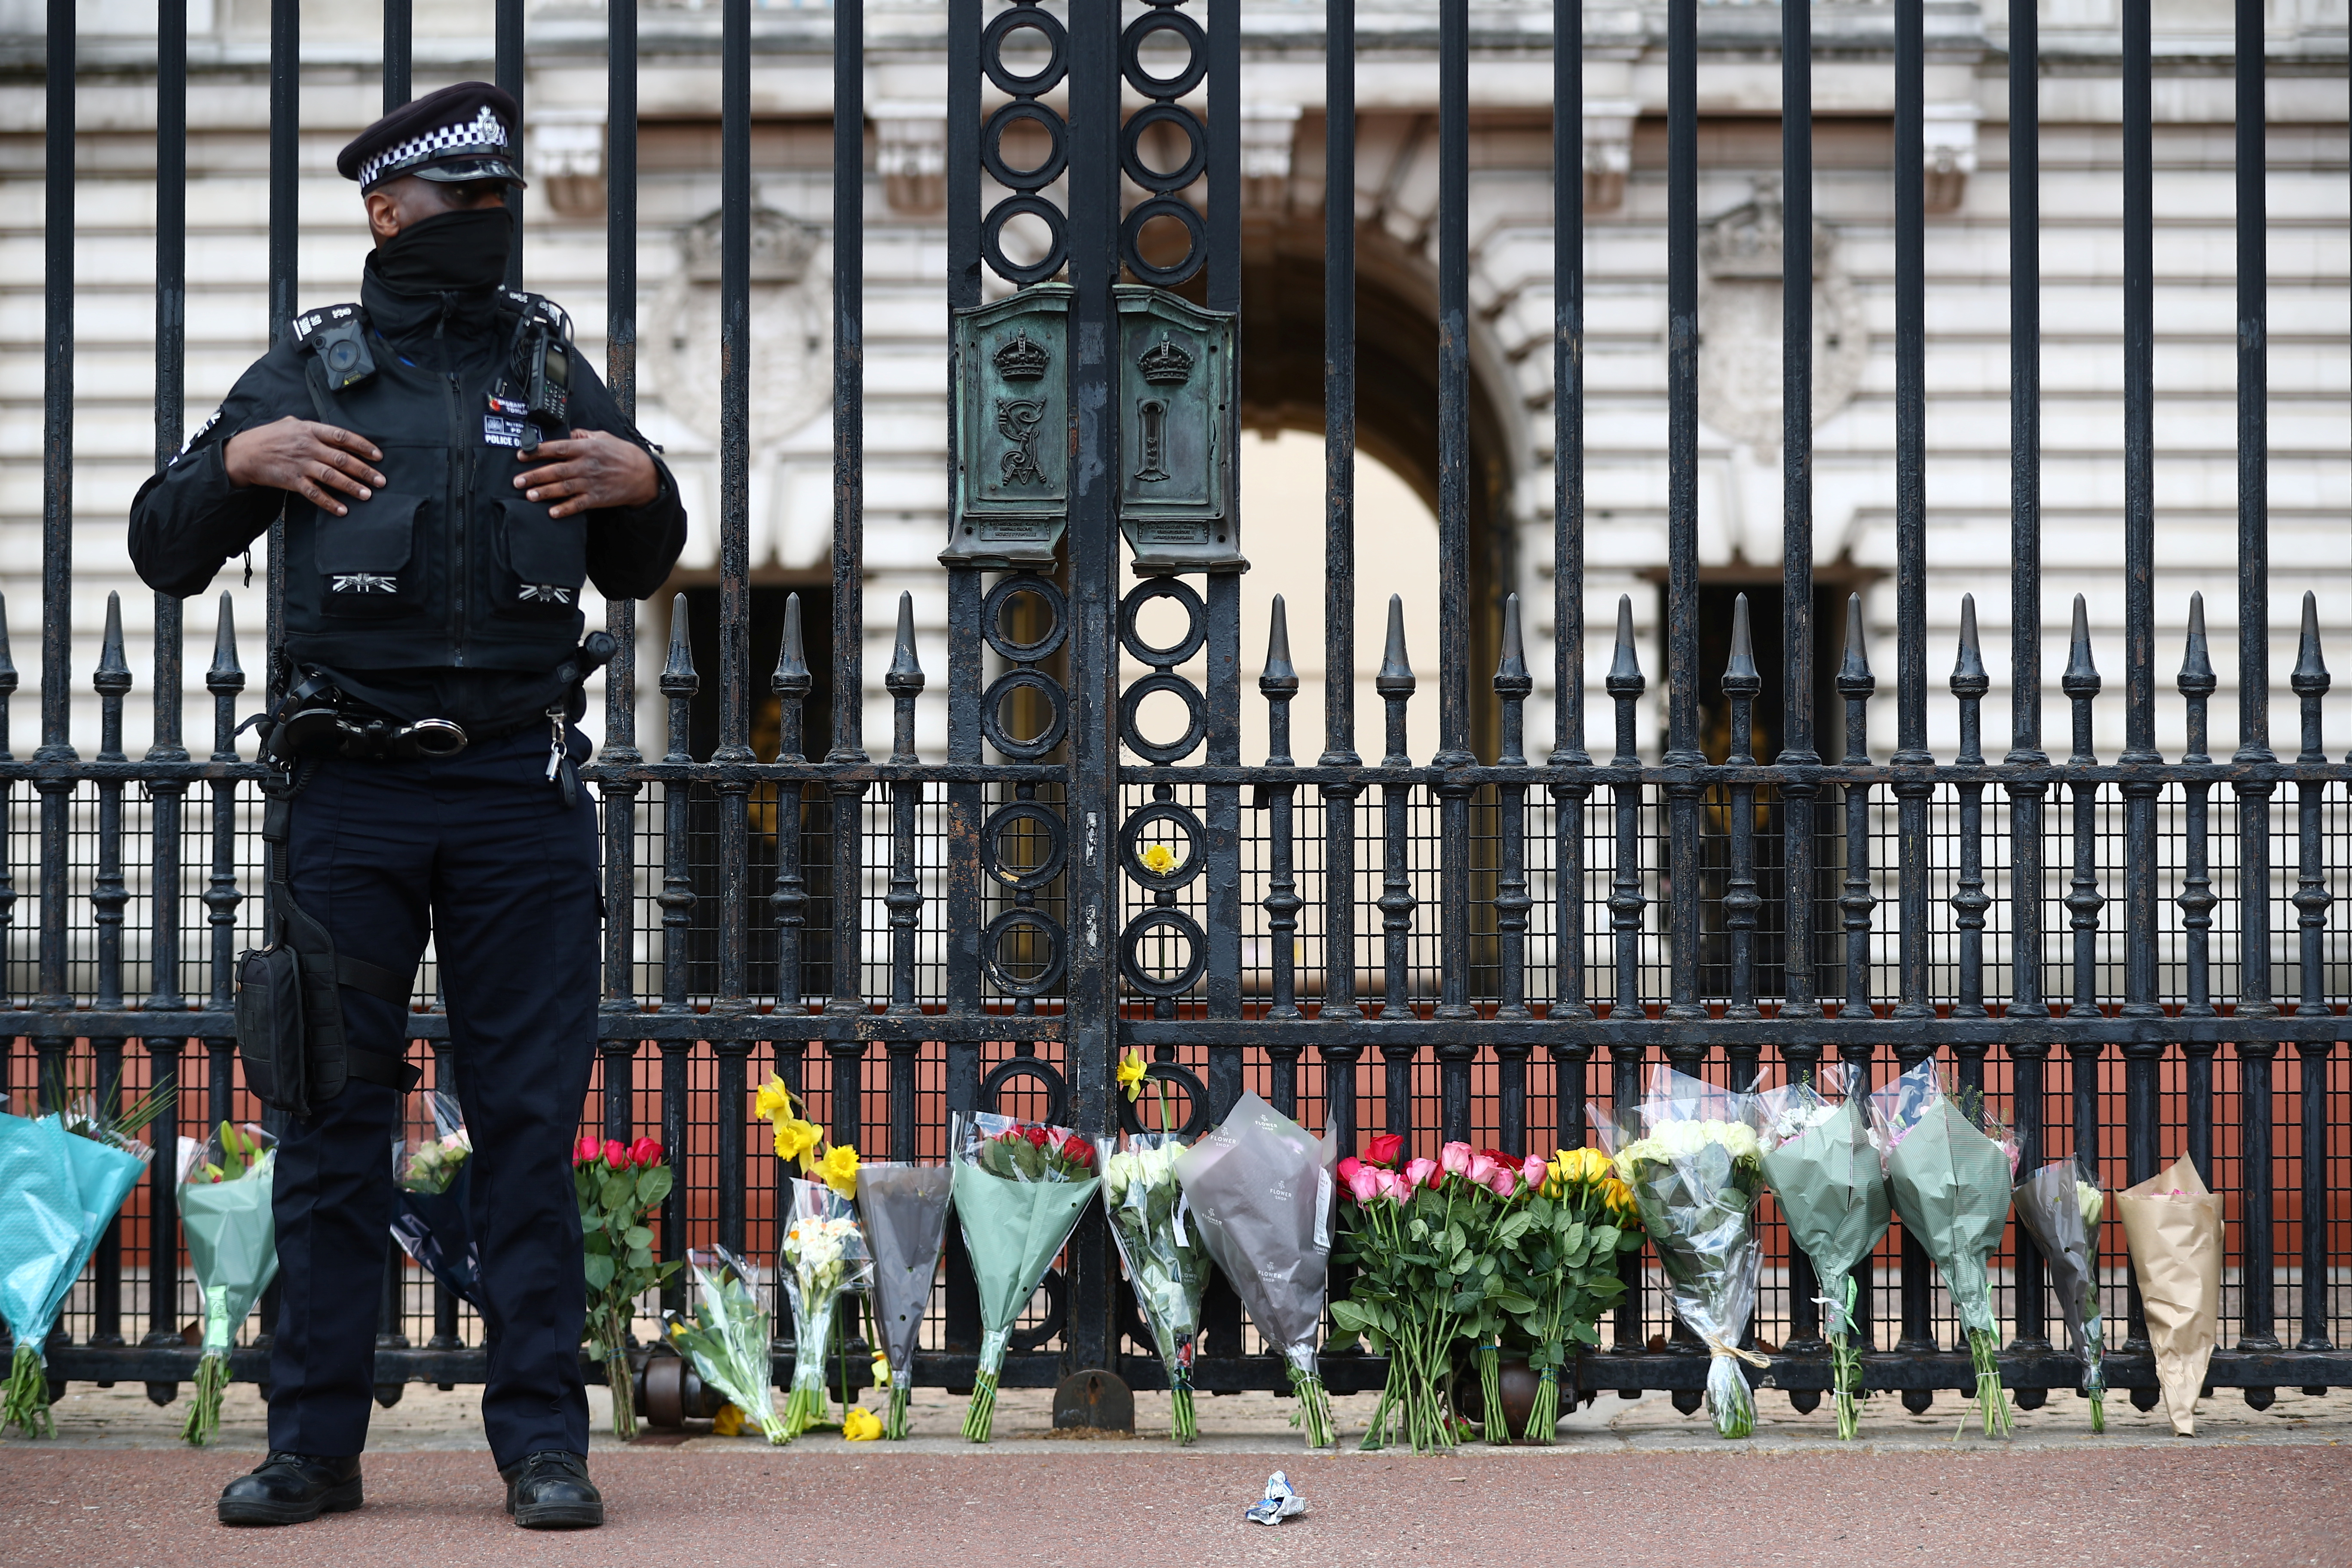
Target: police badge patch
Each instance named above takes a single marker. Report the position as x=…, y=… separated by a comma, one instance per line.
x=504, y=424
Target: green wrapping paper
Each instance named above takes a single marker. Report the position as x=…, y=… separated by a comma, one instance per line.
x=1950, y=1182
x=233, y=1248
x=1014, y=1227
x=1818, y=1162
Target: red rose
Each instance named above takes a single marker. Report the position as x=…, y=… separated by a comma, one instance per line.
x=645, y=1152
x=617, y=1153
x=1385, y=1151
x=1500, y=1158
x=1078, y=1150
x=1036, y=1136
x=587, y=1152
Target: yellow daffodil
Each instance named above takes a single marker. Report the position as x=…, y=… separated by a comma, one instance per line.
x=774, y=1099
x=728, y=1423
x=881, y=1370
x=797, y=1140
x=1131, y=1069
x=1159, y=860
x=839, y=1169
x=860, y=1425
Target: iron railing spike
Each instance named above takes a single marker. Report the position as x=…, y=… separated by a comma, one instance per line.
x=2082, y=677
x=678, y=678
x=1280, y=679
x=2310, y=677
x=2197, y=663
x=1624, y=678
x=1854, y=676
x=1511, y=677
x=1739, y=674
x=792, y=680
x=1969, y=677
x=1395, y=679
x=113, y=671
x=905, y=672
x=225, y=674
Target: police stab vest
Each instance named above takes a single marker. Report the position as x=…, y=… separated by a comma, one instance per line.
x=447, y=567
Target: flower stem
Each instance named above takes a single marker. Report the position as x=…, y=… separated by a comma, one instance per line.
x=617, y=1378
x=1496, y=1427
x=982, y=1417
x=893, y=1421
x=1182, y=1426
x=27, y=1404
x=1543, y=1419
x=1983, y=1350
x=203, y=1423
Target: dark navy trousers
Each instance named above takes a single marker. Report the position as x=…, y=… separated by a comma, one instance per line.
x=481, y=851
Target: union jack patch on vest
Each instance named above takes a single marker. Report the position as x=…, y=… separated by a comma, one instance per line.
x=545, y=594
x=365, y=582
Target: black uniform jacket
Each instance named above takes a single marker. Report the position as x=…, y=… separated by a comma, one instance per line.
x=447, y=568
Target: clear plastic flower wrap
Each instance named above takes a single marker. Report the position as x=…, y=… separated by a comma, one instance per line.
x=1691, y=1156
x=1160, y=1250
x=2061, y=1207
x=1261, y=1189
x=1950, y=1162
x=1020, y=1188
x=432, y=1154
x=904, y=1209
x=1818, y=1160
x=728, y=1337
x=822, y=1257
x=225, y=1215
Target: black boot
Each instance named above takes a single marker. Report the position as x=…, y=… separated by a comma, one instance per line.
x=550, y=1490
x=292, y=1489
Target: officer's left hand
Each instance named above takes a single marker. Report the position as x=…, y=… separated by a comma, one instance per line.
x=593, y=470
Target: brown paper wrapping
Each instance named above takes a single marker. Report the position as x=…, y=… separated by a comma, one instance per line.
x=2176, y=1253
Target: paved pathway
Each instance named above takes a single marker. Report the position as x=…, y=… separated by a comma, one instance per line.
x=1638, y=1483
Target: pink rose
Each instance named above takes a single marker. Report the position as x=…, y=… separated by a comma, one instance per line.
x=1482, y=1169
x=1420, y=1173
x=1504, y=1182
x=1455, y=1158
x=1393, y=1187
x=1363, y=1185
x=1531, y=1172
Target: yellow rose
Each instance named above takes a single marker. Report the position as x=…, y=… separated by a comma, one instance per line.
x=860, y=1425
x=839, y=1169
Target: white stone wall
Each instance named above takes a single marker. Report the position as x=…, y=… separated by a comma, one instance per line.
x=2311, y=397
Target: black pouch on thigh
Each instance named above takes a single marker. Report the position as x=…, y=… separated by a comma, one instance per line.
x=289, y=1004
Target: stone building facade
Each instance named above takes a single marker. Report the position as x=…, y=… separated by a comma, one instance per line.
x=2310, y=250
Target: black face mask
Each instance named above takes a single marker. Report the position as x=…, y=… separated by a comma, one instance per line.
x=456, y=252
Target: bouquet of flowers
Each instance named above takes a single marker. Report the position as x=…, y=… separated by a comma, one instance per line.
x=1950, y=1162
x=1818, y=1160
x=728, y=1339
x=431, y=1195
x=906, y=1212
x=1161, y=1256
x=2173, y=1226
x=2060, y=1206
x=1259, y=1187
x=1690, y=1154
x=617, y=1187
x=822, y=1255
x=1019, y=1190
x=225, y=1193
x=62, y=1179
x=1580, y=1217
x=1433, y=1250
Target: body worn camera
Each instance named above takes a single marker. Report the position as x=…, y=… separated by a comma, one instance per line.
x=336, y=334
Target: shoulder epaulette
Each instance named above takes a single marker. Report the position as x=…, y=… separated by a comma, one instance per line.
x=527, y=304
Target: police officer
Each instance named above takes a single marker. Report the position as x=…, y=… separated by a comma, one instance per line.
x=451, y=472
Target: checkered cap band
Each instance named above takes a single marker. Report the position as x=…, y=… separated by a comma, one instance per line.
x=485, y=135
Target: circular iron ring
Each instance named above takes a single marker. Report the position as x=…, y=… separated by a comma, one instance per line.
x=1196, y=1097
x=1056, y=1087
x=1131, y=730
x=1130, y=242
x=1196, y=624
x=1028, y=751
x=1043, y=24
x=992, y=240
x=992, y=835
x=991, y=150
x=1130, y=963
x=1130, y=55
x=1130, y=847
x=1047, y=976
x=1131, y=148
x=991, y=609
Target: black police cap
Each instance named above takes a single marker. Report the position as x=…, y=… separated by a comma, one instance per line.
x=469, y=131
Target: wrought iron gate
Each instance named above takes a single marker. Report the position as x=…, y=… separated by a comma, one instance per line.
x=1064, y=883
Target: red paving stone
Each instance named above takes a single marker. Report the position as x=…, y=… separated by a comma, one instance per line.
x=2266, y=1507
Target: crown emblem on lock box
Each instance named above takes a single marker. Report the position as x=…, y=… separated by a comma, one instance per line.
x=1023, y=359
x=1165, y=363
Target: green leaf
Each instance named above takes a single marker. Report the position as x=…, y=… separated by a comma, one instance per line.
x=1350, y=1318
x=653, y=1185
x=639, y=1236
x=640, y=1258
x=599, y=1270
x=613, y=1192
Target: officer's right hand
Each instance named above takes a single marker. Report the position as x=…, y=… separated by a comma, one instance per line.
x=305, y=458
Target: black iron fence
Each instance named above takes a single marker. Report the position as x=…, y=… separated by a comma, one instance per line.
x=1466, y=945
